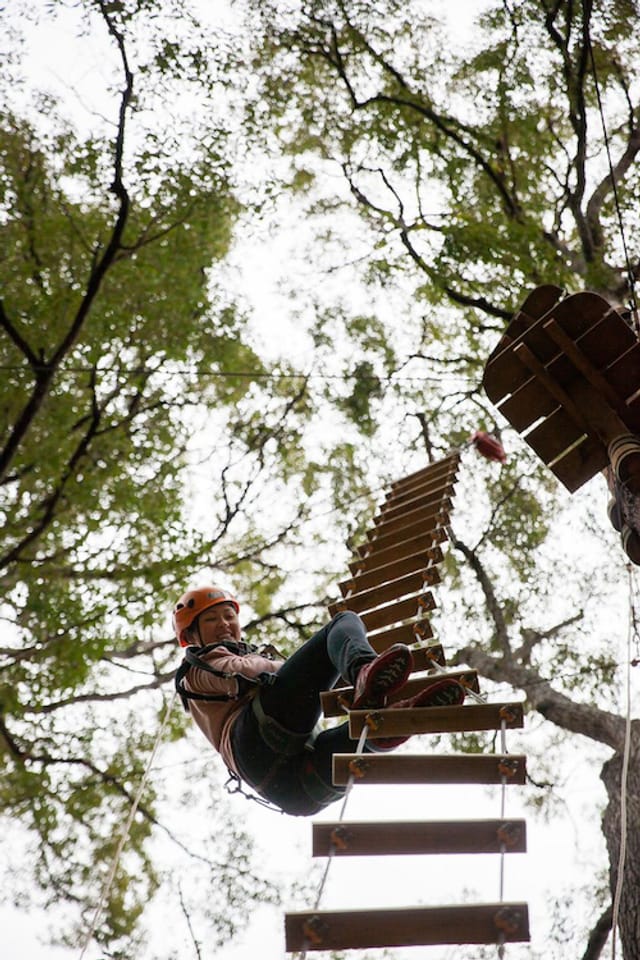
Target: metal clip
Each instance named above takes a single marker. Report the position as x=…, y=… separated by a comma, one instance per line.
x=315, y=931
x=507, y=714
x=374, y=720
x=508, y=921
x=358, y=767
x=339, y=838
x=509, y=834
x=507, y=768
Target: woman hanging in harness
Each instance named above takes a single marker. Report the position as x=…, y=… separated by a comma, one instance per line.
x=260, y=712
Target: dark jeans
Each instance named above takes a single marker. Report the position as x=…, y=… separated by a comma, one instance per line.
x=283, y=768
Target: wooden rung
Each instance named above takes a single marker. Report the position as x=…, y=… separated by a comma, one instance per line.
x=447, y=463
x=392, y=555
x=400, y=529
x=414, y=632
x=392, y=590
x=415, y=768
x=391, y=613
x=331, y=699
x=407, y=926
x=451, y=719
x=414, y=499
x=446, y=470
x=414, y=516
x=367, y=579
x=426, y=657
x=404, y=837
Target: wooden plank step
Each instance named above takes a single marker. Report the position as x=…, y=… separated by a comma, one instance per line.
x=413, y=518
x=407, y=926
x=416, y=768
x=428, y=528
x=367, y=579
x=420, y=496
x=447, y=463
x=411, y=837
x=451, y=719
x=391, y=613
x=331, y=699
x=415, y=631
x=407, y=548
x=384, y=593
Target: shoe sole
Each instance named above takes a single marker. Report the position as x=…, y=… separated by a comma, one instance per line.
x=386, y=680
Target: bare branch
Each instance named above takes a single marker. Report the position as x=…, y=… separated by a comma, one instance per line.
x=158, y=681
x=493, y=605
x=599, y=935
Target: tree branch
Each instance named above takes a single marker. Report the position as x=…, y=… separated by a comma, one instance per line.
x=599, y=935
x=493, y=605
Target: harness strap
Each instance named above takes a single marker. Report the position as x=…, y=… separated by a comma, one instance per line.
x=278, y=738
x=315, y=787
x=193, y=657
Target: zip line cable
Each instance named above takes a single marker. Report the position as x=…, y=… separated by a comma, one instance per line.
x=125, y=831
x=240, y=374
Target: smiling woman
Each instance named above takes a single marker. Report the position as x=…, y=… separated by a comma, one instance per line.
x=260, y=712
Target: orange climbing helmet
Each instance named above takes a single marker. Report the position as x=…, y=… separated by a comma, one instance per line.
x=193, y=602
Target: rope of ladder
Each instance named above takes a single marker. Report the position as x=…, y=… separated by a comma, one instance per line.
x=125, y=832
x=323, y=881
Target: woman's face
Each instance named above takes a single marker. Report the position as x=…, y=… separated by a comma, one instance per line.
x=219, y=623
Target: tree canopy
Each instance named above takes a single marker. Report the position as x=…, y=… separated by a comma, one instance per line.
x=117, y=343
x=432, y=177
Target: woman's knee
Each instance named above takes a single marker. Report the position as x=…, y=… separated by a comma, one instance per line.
x=347, y=619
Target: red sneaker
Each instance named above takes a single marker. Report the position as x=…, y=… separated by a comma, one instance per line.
x=441, y=693
x=382, y=676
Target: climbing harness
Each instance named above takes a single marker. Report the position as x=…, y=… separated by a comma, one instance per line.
x=234, y=785
x=194, y=657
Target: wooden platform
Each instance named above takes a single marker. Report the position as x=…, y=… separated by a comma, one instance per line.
x=568, y=381
x=414, y=768
x=407, y=926
x=409, y=837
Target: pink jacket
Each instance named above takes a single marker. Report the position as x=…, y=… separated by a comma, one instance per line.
x=216, y=719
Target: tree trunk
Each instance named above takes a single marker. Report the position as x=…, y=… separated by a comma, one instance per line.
x=629, y=912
